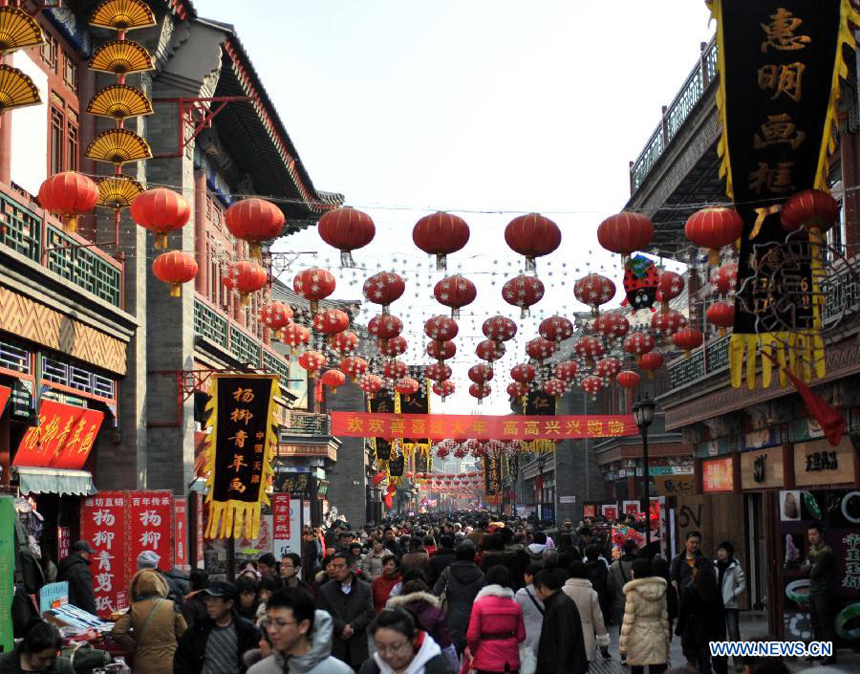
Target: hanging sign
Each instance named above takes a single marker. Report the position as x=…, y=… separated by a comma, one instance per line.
x=239, y=452
x=103, y=524
x=493, y=475
x=63, y=439
x=180, y=535
x=416, y=403
x=539, y=403
x=779, y=63
x=286, y=524
x=507, y=427
x=151, y=526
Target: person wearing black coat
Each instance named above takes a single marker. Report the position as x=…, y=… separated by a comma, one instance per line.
x=598, y=574
x=702, y=619
x=443, y=558
x=561, y=648
x=350, y=603
x=460, y=583
x=75, y=570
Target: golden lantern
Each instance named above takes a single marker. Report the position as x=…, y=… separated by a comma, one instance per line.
x=117, y=191
x=122, y=15
x=18, y=30
x=118, y=146
x=119, y=101
x=121, y=57
x=16, y=89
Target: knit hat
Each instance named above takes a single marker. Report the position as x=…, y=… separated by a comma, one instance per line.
x=148, y=560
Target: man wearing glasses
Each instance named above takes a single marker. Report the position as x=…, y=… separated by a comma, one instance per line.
x=301, y=637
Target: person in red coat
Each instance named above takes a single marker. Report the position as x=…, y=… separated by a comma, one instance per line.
x=383, y=585
x=496, y=628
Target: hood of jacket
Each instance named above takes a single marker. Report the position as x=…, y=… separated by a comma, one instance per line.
x=147, y=583
x=465, y=572
x=536, y=548
x=429, y=650
x=404, y=599
x=495, y=591
x=320, y=639
x=651, y=588
x=579, y=582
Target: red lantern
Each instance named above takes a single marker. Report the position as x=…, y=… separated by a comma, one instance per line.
x=437, y=372
x=480, y=391
x=441, y=350
x=333, y=379
x=725, y=278
x=523, y=292
x=628, y=379
x=455, y=292
x=588, y=348
x=651, y=362
x=330, y=321
x=721, y=314
x=667, y=323
x=555, y=328
x=385, y=326
x=639, y=343
x=533, y=236
x=370, y=384
x=480, y=373
x=314, y=284
x=625, y=233
x=594, y=290
x=346, y=229
x=813, y=209
x=297, y=335
x=489, y=350
x=517, y=390
x=565, y=370
x=394, y=369
x=353, y=366
x=392, y=347
x=713, y=228
x=160, y=211
x=554, y=387
x=175, y=268
x=406, y=386
x=444, y=388
x=441, y=328
x=522, y=373
x=345, y=342
x=612, y=326
x=499, y=328
x=540, y=348
x=312, y=361
x=69, y=195
x=276, y=315
x=669, y=286
x=253, y=220
x=687, y=339
x=440, y=234
x=244, y=277
x=442, y=451
x=608, y=367
x=592, y=385
x=384, y=288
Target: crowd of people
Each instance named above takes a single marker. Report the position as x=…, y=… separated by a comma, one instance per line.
x=426, y=595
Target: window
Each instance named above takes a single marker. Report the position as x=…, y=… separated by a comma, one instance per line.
x=58, y=124
x=63, y=148
x=70, y=73
x=50, y=51
x=72, y=143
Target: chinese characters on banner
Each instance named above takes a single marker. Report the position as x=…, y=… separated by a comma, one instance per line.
x=493, y=478
x=63, y=439
x=779, y=61
x=63, y=542
x=507, y=427
x=287, y=524
x=180, y=535
x=416, y=403
x=151, y=526
x=540, y=404
x=104, y=525
x=239, y=453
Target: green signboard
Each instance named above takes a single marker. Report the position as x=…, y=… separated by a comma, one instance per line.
x=7, y=571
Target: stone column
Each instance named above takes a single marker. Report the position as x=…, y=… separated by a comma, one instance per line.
x=347, y=480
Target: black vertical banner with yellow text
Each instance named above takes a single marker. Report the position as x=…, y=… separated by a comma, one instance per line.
x=239, y=452
x=539, y=403
x=382, y=403
x=779, y=63
x=493, y=478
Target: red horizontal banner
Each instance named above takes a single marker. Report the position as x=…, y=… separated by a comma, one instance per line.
x=508, y=427
x=63, y=439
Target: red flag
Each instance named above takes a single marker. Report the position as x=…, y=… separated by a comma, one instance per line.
x=379, y=477
x=389, y=501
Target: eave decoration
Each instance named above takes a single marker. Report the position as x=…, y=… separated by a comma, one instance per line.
x=122, y=15
x=780, y=62
x=118, y=191
x=18, y=30
x=16, y=89
x=119, y=101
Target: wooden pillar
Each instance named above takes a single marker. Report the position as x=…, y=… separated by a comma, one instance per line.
x=5, y=146
x=849, y=147
x=200, y=248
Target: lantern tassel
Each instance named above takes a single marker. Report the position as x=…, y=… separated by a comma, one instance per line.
x=70, y=223
x=176, y=290
x=531, y=265
x=346, y=259
x=441, y=263
x=524, y=312
x=256, y=252
x=713, y=257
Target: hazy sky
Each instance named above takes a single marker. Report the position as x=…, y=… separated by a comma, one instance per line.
x=484, y=107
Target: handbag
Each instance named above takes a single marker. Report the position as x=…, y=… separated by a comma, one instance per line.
x=528, y=661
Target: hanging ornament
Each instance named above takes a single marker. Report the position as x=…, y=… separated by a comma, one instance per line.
x=612, y=326
x=276, y=316
x=385, y=326
x=533, y=236
x=517, y=390
x=607, y=367
x=455, y=292
x=437, y=372
x=565, y=370
x=253, y=220
x=441, y=350
x=370, y=384
x=314, y=284
x=312, y=361
x=384, y=288
x=330, y=321
x=589, y=348
x=628, y=379
x=441, y=328
x=713, y=228
x=175, y=268
x=444, y=388
x=555, y=328
x=523, y=291
x=651, y=362
x=440, y=234
x=499, y=328
x=346, y=229
x=725, y=278
x=640, y=283
x=353, y=366
x=244, y=277
x=480, y=373
x=296, y=335
x=687, y=339
x=333, y=379
x=406, y=386
x=594, y=290
x=667, y=323
x=489, y=350
x=554, y=388
x=669, y=286
x=540, y=349
x=625, y=233
x=161, y=211
x=522, y=373
x=344, y=342
x=813, y=209
x=592, y=385
x=480, y=391
x=392, y=347
x=66, y=194
x=394, y=369
x=721, y=314
x=639, y=343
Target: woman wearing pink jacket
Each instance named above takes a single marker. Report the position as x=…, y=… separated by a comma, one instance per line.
x=496, y=628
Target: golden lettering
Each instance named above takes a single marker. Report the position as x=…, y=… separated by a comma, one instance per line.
x=510, y=428
x=241, y=415
x=783, y=79
x=238, y=462
x=243, y=395
x=552, y=427
x=778, y=129
x=355, y=425
x=780, y=32
x=236, y=485
x=239, y=438
x=531, y=427
x=572, y=428
x=772, y=178
x=375, y=426
x=595, y=428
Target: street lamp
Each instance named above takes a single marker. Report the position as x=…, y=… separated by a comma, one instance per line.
x=643, y=413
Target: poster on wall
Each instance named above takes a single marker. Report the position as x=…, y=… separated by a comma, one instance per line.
x=180, y=535
x=609, y=511
x=839, y=512
x=589, y=510
x=287, y=525
x=103, y=525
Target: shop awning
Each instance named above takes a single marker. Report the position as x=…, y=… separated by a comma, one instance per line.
x=55, y=481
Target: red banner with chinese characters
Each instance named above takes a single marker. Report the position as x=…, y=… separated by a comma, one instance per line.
x=4, y=396
x=103, y=524
x=63, y=438
x=180, y=536
x=508, y=427
x=151, y=526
